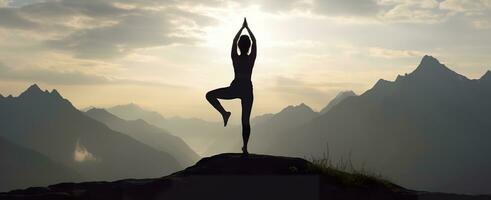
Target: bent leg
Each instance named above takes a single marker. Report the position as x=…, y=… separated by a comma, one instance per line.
x=246, y=114
x=221, y=93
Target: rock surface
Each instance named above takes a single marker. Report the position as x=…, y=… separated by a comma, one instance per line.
x=227, y=176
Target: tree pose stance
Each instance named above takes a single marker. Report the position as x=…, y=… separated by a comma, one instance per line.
x=241, y=86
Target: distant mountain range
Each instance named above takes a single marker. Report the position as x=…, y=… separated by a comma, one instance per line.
x=198, y=133
x=148, y=134
x=430, y=130
x=426, y=130
x=265, y=128
x=340, y=97
x=22, y=167
x=49, y=125
x=211, y=138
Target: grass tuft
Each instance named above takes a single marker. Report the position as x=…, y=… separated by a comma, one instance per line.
x=344, y=172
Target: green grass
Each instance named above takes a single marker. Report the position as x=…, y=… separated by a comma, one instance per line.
x=344, y=172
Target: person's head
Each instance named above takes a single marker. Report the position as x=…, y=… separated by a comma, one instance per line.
x=244, y=44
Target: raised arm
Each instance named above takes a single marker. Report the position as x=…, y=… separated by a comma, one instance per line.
x=234, y=44
x=253, y=48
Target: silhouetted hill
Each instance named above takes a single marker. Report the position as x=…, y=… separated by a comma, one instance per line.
x=292, y=116
x=50, y=125
x=199, y=134
x=270, y=128
x=151, y=135
x=228, y=176
x=261, y=118
x=339, y=97
x=21, y=167
x=133, y=112
x=426, y=130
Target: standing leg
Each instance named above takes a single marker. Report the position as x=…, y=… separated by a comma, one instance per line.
x=246, y=114
x=221, y=93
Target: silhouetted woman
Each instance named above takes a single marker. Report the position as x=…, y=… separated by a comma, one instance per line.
x=241, y=86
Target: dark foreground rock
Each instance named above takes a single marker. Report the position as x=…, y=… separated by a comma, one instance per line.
x=232, y=176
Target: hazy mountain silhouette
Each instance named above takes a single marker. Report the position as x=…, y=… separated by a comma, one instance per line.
x=426, y=130
x=49, y=124
x=339, y=97
x=151, y=135
x=291, y=116
x=268, y=128
x=21, y=167
x=261, y=118
x=199, y=134
x=133, y=112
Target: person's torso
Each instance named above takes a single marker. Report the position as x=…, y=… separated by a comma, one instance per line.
x=243, y=66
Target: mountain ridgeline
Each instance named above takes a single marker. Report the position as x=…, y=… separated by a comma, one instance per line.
x=429, y=129
x=54, y=133
x=148, y=134
x=340, y=97
x=198, y=133
x=22, y=167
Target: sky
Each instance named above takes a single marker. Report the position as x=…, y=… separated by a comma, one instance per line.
x=166, y=54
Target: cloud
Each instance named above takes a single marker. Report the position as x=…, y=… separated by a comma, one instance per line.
x=3, y=3
x=50, y=76
x=482, y=24
x=465, y=5
x=132, y=32
x=410, y=11
x=81, y=154
x=100, y=29
x=10, y=18
x=68, y=77
x=279, y=5
x=346, y=7
x=379, y=52
x=393, y=54
x=317, y=92
x=386, y=11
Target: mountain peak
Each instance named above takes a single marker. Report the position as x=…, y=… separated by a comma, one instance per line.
x=431, y=68
x=56, y=94
x=303, y=105
x=381, y=83
x=34, y=87
x=133, y=105
x=429, y=60
x=345, y=93
x=299, y=107
x=33, y=90
x=486, y=76
x=429, y=63
x=341, y=96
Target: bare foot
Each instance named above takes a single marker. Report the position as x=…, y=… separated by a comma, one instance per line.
x=225, y=118
x=244, y=151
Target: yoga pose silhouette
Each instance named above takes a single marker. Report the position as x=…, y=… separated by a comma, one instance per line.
x=241, y=86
